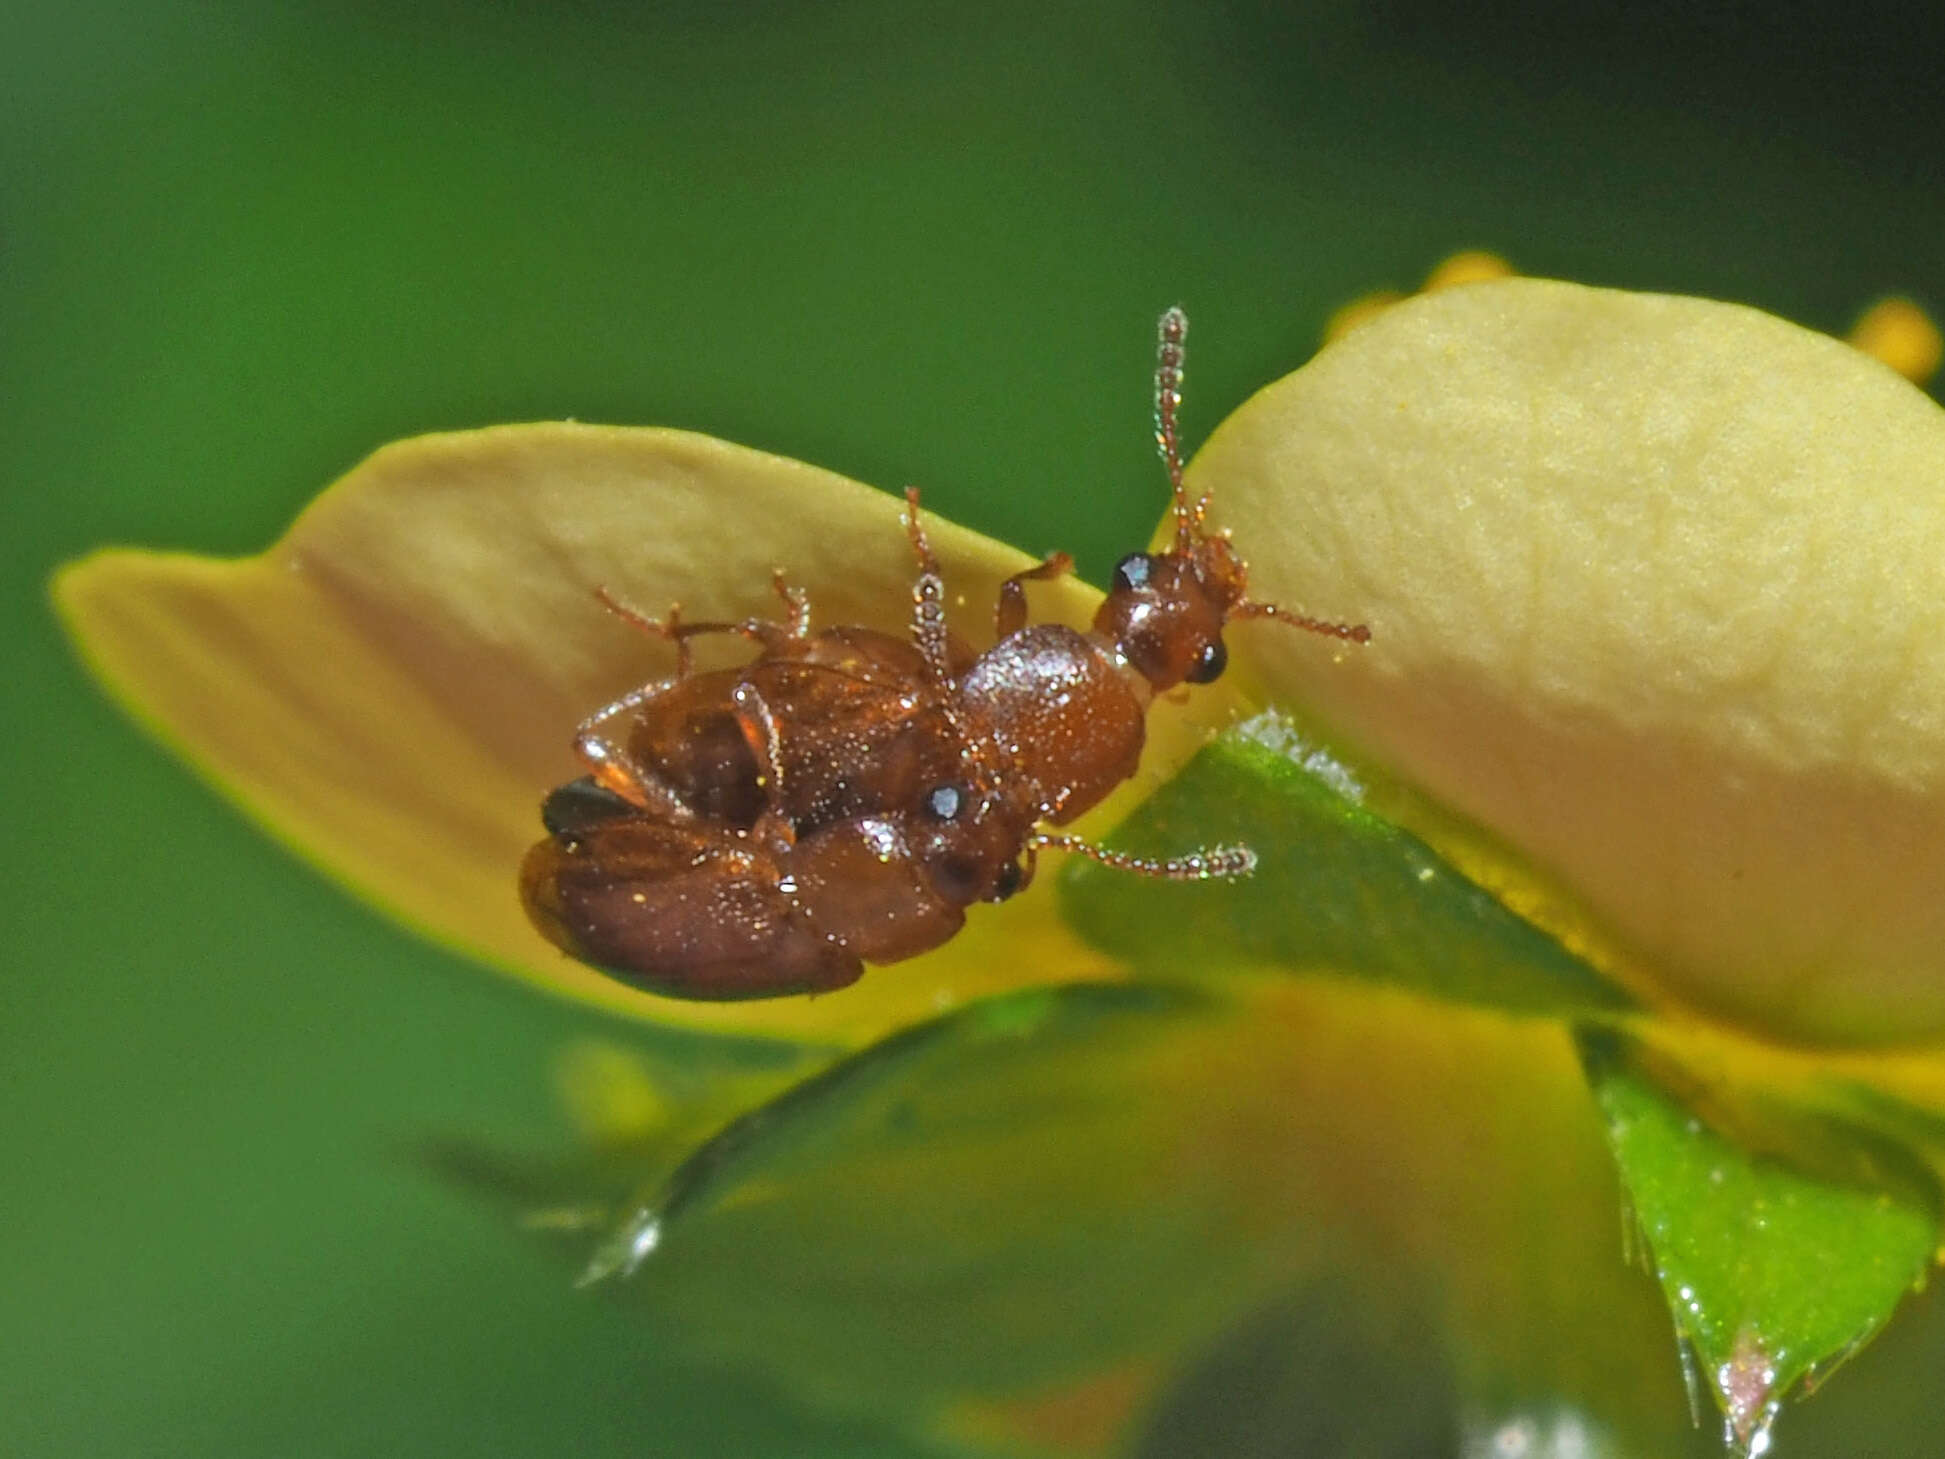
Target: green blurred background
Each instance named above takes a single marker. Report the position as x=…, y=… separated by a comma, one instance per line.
x=242, y=245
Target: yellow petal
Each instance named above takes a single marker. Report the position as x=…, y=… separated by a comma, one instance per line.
x=1360, y=310
x=1474, y=266
x=393, y=686
x=1902, y=335
x=1657, y=597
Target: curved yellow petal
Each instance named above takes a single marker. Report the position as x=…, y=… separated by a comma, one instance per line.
x=1473, y=266
x=1657, y=597
x=392, y=687
x=1360, y=310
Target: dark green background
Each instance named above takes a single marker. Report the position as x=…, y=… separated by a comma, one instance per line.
x=241, y=245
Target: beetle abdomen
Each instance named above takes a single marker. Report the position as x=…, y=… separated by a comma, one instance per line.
x=691, y=911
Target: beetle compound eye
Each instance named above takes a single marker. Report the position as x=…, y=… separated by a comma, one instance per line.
x=945, y=802
x=1209, y=664
x=1133, y=572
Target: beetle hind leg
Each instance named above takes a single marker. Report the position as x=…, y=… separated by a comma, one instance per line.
x=615, y=770
x=796, y=603
x=766, y=633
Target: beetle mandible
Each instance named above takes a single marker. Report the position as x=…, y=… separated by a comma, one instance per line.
x=845, y=796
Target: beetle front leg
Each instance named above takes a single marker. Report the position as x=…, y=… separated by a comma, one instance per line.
x=760, y=731
x=1010, y=613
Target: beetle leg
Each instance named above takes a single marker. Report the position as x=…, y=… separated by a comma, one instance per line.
x=762, y=631
x=1029, y=864
x=614, y=768
x=1211, y=861
x=759, y=725
x=774, y=830
x=1010, y=613
x=796, y=601
x=669, y=628
x=607, y=758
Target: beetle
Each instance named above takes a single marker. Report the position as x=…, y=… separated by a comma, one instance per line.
x=845, y=796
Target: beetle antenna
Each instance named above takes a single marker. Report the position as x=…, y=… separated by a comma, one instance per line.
x=1211, y=861
x=1170, y=353
x=928, y=597
x=1349, y=632
x=930, y=634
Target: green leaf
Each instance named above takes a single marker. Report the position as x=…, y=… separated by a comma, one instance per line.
x=1775, y=1264
x=1774, y=1275
x=1336, y=887
x=1116, y=1198
x=1316, y=1372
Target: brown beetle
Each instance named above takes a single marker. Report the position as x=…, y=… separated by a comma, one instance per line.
x=846, y=795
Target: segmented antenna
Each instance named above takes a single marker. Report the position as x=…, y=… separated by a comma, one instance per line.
x=1349, y=632
x=1170, y=353
x=933, y=638
x=928, y=597
x=1204, y=865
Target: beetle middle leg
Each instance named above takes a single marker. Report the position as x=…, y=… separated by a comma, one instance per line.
x=759, y=725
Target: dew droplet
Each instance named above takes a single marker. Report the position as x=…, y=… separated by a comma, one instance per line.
x=625, y=1250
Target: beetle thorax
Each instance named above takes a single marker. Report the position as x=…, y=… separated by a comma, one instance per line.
x=1063, y=713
